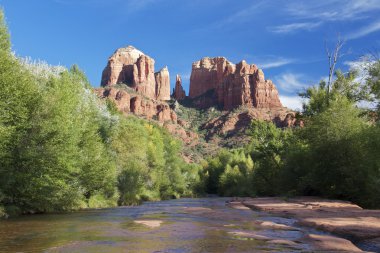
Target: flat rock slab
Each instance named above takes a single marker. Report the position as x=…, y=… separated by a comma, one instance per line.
x=150, y=223
x=273, y=225
x=331, y=243
x=237, y=205
x=198, y=209
x=250, y=234
x=341, y=218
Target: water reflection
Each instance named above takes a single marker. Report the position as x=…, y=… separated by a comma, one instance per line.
x=186, y=225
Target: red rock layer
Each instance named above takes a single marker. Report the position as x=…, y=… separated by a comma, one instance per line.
x=137, y=104
x=229, y=85
x=178, y=92
x=132, y=67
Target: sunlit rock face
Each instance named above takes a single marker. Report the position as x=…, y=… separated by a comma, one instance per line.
x=216, y=81
x=132, y=67
x=162, y=84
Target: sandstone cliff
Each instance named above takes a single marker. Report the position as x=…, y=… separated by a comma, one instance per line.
x=130, y=82
x=135, y=69
x=178, y=91
x=162, y=84
x=216, y=81
x=129, y=102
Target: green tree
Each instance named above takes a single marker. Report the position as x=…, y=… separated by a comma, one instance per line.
x=267, y=148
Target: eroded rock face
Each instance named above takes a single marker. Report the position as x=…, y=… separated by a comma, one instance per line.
x=137, y=104
x=178, y=92
x=135, y=69
x=216, y=81
x=162, y=84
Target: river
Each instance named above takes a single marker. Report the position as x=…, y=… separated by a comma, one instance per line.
x=183, y=225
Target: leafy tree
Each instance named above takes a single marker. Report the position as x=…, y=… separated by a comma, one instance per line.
x=373, y=81
x=266, y=148
x=346, y=86
x=5, y=43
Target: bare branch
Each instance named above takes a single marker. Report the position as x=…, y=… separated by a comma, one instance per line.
x=333, y=58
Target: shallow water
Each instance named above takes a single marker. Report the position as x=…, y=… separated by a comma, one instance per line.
x=188, y=225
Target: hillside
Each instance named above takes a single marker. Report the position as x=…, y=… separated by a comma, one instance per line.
x=224, y=98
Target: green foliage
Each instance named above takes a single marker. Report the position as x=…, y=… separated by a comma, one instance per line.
x=340, y=158
x=267, y=149
x=253, y=170
x=5, y=44
x=149, y=164
x=374, y=81
x=63, y=149
x=345, y=86
x=335, y=155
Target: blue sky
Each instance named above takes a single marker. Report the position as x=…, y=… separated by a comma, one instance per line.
x=285, y=38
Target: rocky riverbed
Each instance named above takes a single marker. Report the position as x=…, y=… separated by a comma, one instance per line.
x=340, y=218
x=199, y=225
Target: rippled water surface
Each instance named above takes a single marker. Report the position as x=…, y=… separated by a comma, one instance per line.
x=187, y=225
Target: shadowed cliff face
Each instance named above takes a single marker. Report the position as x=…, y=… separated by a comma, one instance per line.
x=232, y=85
x=178, y=91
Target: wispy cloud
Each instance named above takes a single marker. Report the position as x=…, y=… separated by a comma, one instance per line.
x=274, y=62
x=290, y=82
x=371, y=28
x=294, y=27
x=332, y=10
x=308, y=15
x=241, y=15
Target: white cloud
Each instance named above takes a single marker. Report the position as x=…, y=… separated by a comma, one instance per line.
x=274, y=63
x=361, y=66
x=242, y=15
x=292, y=102
x=290, y=82
x=308, y=15
x=289, y=28
x=332, y=10
x=371, y=28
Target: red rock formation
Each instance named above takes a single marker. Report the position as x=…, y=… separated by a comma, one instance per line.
x=120, y=66
x=137, y=104
x=120, y=97
x=178, y=92
x=231, y=124
x=143, y=76
x=162, y=84
x=132, y=67
x=216, y=81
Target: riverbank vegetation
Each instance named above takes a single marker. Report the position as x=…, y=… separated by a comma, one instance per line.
x=335, y=155
x=63, y=149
